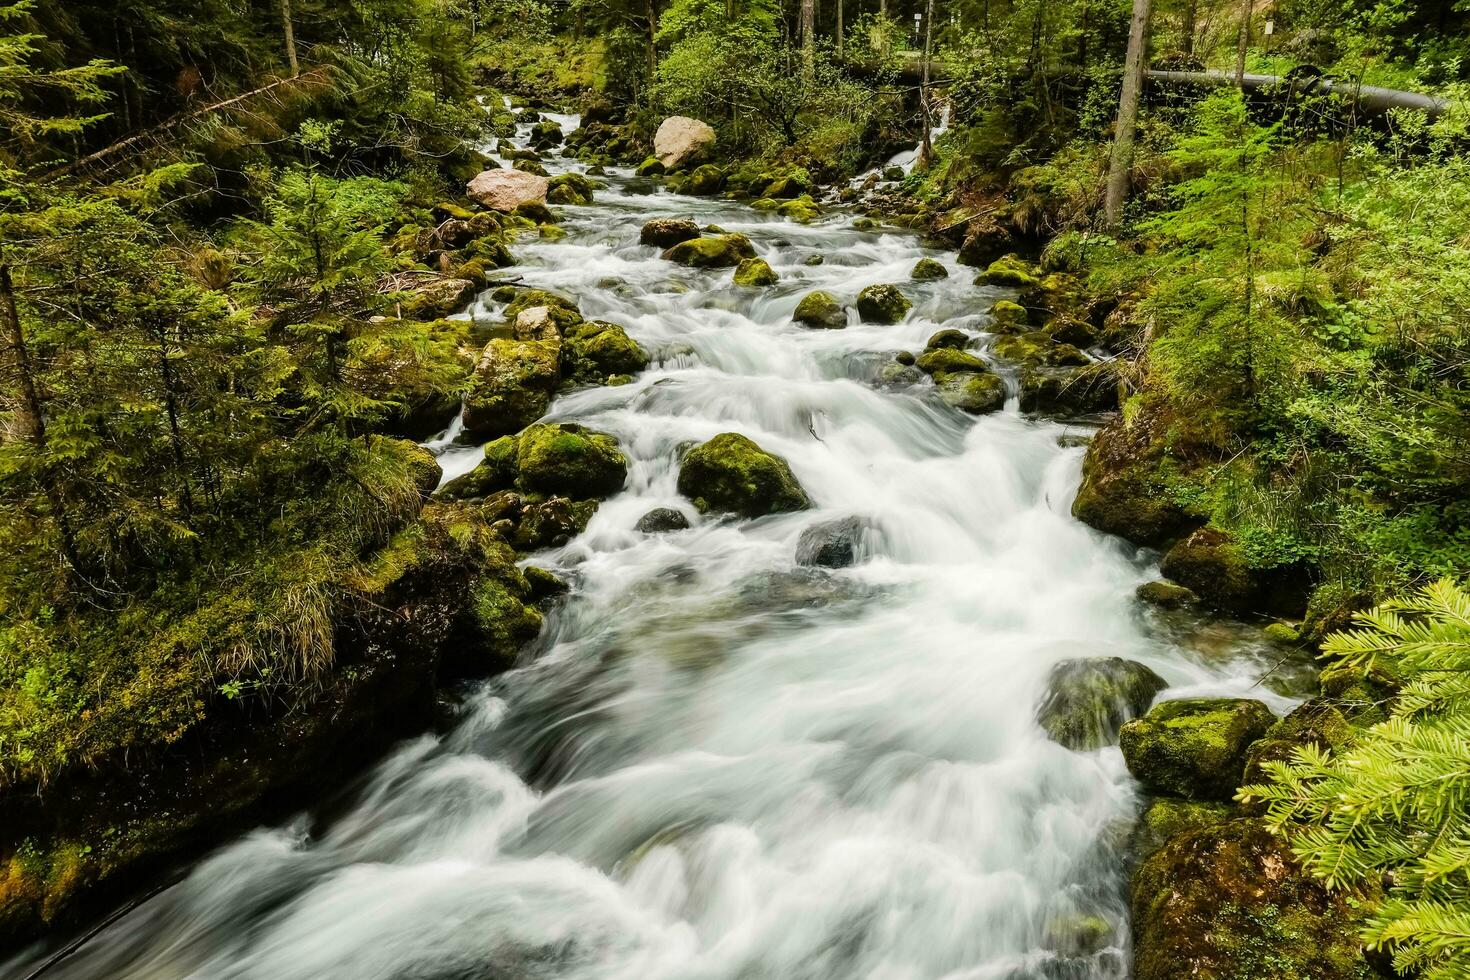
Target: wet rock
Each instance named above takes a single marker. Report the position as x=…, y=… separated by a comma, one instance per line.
x=1069, y=390
x=496, y=472
x=802, y=210
x=865, y=224
x=977, y=394
x=894, y=173
x=512, y=387
x=682, y=142
x=928, y=270
x=1229, y=901
x=905, y=357
x=1066, y=330
x=598, y=349
x=570, y=189
x=792, y=184
x=544, y=584
x=652, y=167
x=533, y=167
x=821, y=310
x=724, y=251
x=527, y=298
x=537, y=323
x=731, y=473
x=882, y=303
x=667, y=232
x=1194, y=747
x=569, y=460
x=1009, y=270
x=546, y=134
x=661, y=520
x=1007, y=317
x=506, y=190
x=535, y=212
x=985, y=242
x=813, y=259
x=832, y=544
x=1121, y=491
x=948, y=338
x=1166, y=595
x=705, y=181
x=897, y=376
x=1166, y=818
x=1316, y=722
x=438, y=298
x=1088, y=700
x=755, y=272
x=947, y=360
x=549, y=523
x=1216, y=568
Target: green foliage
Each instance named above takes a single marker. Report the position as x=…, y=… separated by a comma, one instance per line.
x=1395, y=805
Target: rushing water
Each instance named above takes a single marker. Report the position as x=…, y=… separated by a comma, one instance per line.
x=715, y=764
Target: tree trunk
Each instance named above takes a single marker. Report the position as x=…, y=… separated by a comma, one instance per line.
x=1187, y=28
x=28, y=417
x=1122, y=158
x=1242, y=41
x=838, y=31
x=808, y=37
x=290, y=38
x=926, y=148
x=651, y=13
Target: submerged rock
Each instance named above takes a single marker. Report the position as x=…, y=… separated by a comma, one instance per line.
x=667, y=232
x=1194, y=747
x=832, y=544
x=821, y=310
x=1166, y=595
x=661, y=520
x=755, y=272
x=882, y=303
x=731, y=473
x=1088, y=700
x=569, y=460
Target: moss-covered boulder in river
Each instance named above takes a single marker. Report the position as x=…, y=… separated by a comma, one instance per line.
x=569, y=188
x=977, y=394
x=1069, y=390
x=882, y=303
x=731, y=473
x=704, y=181
x=1087, y=700
x=820, y=310
x=597, y=350
x=512, y=386
x=722, y=251
x=667, y=232
x=947, y=360
x=928, y=270
x=1194, y=747
x=569, y=460
x=755, y=272
x=1228, y=901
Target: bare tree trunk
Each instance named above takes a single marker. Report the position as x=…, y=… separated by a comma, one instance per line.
x=838, y=32
x=651, y=12
x=1187, y=28
x=1125, y=131
x=1242, y=41
x=882, y=8
x=808, y=37
x=28, y=417
x=926, y=148
x=290, y=38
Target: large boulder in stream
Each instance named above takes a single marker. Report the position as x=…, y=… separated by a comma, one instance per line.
x=569, y=460
x=820, y=310
x=682, y=142
x=832, y=544
x=596, y=350
x=668, y=232
x=1088, y=699
x=439, y=297
x=512, y=386
x=1194, y=747
x=731, y=473
x=1229, y=901
x=506, y=190
x=755, y=273
x=718, y=252
x=976, y=394
x=883, y=303
x=569, y=189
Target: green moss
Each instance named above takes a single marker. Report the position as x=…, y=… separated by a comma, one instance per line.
x=496, y=472
x=513, y=385
x=977, y=394
x=650, y=167
x=601, y=350
x=731, y=473
x=947, y=360
x=1166, y=818
x=723, y=251
x=1009, y=270
x=525, y=299
x=704, y=181
x=821, y=310
x=755, y=273
x=882, y=303
x=1087, y=699
x=928, y=270
x=570, y=460
x=1194, y=747
x=1166, y=595
x=802, y=210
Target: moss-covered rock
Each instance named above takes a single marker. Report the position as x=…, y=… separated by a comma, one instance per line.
x=1007, y=316
x=731, y=473
x=1072, y=331
x=1087, y=700
x=820, y=310
x=651, y=167
x=546, y=134
x=977, y=394
x=1166, y=818
x=947, y=338
x=439, y=298
x=598, y=350
x=1217, y=568
x=570, y=188
x=662, y=520
x=928, y=270
x=802, y=210
x=496, y=472
x=756, y=273
x=667, y=232
x=1166, y=595
x=793, y=183
x=1009, y=270
x=882, y=303
x=947, y=360
x=722, y=251
x=1194, y=747
x=531, y=167
x=704, y=181
x=1069, y=390
x=543, y=323
x=1229, y=901
x=513, y=385
x=525, y=299
x=569, y=460
x=1316, y=722
x=1123, y=491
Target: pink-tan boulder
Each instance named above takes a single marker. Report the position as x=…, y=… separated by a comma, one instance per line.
x=506, y=190
x=682, y=142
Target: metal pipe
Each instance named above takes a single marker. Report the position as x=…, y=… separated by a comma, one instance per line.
x=1368, y=97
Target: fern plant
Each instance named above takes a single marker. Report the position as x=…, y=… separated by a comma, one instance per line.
x=1394, y=807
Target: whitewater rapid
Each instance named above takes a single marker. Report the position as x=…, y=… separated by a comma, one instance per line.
x=717, y=764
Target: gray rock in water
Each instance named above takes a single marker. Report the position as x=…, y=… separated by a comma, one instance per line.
x=662, y=519
x=1088, y=699
x=833, y=544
